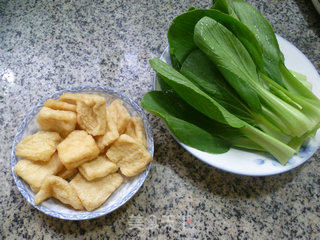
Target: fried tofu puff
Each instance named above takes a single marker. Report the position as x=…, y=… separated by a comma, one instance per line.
x=119, y=114
x=38, y=147
x=111, y=133
x=131, y=156
x=117, y=121
x=67, y=173
x=76, y=149
x=135, y=129
x=63, y=122
x=59, y=105
x=91, y=111
x=71, y=98
x=97, y=168
x=33, y=173
x=57, y=187
x=94, y=193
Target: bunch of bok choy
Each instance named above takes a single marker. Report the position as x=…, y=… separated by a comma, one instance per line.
x=228, y=84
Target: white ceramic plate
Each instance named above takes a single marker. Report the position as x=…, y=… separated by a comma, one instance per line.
x=29, y=126
x=254, y=163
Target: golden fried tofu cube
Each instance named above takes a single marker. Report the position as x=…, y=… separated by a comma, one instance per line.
x=59, y=105
x=38, y=147
x=91, y=115
x=135, y=129
x=91, y=111
x=33, y=173
x=131, y=156
x=57, y=187
x=123, y=146
x=94, y=193
x=97, y=168
x=76, y=149
x=135, y=163
x=63, y=122
x=110, y=136
x=67, y=173
x=119, y=114
x=71, y=98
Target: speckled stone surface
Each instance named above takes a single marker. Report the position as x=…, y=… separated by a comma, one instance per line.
x=46, y=46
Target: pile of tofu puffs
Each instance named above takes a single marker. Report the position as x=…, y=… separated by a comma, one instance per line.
x=84, y=151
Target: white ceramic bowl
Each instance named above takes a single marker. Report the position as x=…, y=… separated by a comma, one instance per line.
x=252, y=163
x=29, y=126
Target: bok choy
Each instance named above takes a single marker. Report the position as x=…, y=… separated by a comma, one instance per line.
x=228, y=85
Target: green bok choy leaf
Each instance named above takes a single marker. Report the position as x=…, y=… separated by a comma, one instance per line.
x=272, y=55
x=189, y=125
x=181, y=121
x=203, y=103
x=180, y=35
x=236, y=65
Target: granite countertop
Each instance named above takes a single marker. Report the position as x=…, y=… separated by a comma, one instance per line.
x=46, y=46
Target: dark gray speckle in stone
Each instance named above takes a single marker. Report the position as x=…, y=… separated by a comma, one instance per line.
x=48, y=45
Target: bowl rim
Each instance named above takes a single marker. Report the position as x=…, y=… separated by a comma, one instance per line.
x=82, y=215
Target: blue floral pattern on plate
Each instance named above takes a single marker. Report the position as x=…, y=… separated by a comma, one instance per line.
x=29, y=126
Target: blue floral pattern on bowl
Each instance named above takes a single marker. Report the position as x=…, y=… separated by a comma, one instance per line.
x=29, y=126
